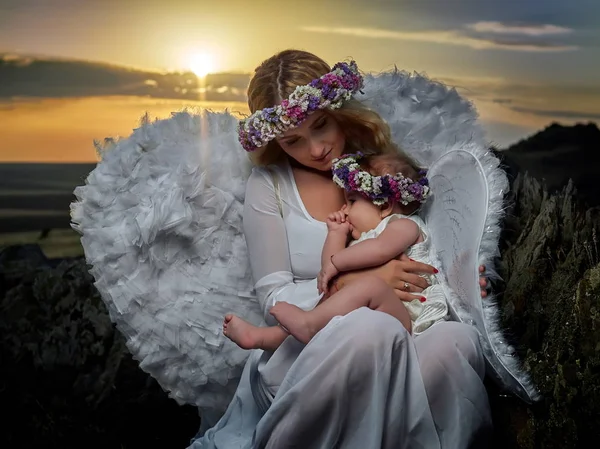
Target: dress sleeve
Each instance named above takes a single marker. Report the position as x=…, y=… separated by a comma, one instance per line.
x=268, y=249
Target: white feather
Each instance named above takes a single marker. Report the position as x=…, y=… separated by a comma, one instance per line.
x=161, y=224
x=439, y=128
x=161, y=218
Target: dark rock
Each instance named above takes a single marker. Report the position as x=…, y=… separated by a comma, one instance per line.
x=67, y=379
x=551, y=271
x=559, y=154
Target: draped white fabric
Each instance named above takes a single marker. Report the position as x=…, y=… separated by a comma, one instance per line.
x=363, y=381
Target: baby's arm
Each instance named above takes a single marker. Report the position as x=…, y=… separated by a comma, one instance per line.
x=336, y=240
x=395, y=239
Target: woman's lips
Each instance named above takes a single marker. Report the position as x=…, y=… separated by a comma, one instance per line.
x=322, y=158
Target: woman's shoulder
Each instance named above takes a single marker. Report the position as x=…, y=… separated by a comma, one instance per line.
x=267, y=172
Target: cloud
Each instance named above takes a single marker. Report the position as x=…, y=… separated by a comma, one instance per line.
x=572, y=115
x=520, y=105
x=56, y=78
x=503, y=135
x=451, y=37
x=530, y=98
x=15, y=59
x=519, y=28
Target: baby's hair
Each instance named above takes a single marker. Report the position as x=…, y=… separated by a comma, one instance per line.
x=392, y=164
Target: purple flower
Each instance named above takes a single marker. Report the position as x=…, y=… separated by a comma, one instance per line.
x=335, y=86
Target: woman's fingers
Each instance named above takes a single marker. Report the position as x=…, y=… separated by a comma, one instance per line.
x=484, y=285
x=415, y=282
x=484, y=282
x=406, y=296
x=412, y=266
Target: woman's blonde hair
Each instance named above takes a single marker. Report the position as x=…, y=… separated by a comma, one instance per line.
x=277, y=77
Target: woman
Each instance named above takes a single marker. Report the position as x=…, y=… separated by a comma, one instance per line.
x=363, y=381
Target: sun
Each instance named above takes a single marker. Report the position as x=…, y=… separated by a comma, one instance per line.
x=201, y=63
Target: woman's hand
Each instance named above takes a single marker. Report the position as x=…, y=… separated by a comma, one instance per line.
x=404, y=276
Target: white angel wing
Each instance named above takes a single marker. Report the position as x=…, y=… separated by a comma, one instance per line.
x=425, y=117
x=161, y=223
x=439, y=128
x=161, y=219
x=463, y=218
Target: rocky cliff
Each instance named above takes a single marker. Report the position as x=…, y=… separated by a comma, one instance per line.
x=551, y=302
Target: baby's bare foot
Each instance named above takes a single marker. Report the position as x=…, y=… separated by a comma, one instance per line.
x=295, y=320
x=242, y=333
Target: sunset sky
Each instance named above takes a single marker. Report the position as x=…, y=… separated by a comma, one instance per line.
x=524, y=63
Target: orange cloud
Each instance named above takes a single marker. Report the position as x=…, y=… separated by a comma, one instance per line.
x=451, y=37
x=63, y=130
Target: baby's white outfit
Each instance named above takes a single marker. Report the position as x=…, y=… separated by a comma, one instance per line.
x=422, y=314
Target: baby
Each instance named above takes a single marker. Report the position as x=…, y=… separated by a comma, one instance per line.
x=382, y=194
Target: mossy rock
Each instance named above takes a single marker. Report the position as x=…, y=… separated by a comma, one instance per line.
x=551, y=302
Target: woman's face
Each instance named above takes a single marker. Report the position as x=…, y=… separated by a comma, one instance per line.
x=315, y=143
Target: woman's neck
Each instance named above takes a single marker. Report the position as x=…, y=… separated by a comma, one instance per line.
x=325, y=174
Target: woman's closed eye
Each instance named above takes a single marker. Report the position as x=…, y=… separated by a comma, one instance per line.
x=321, y=124
x=291, y=142
x=316, y=126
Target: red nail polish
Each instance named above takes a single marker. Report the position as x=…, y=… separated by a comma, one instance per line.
x=436, y=271
x=422, y=299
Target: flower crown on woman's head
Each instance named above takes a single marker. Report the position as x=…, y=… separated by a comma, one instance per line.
x=348, y=174
x=328, y=91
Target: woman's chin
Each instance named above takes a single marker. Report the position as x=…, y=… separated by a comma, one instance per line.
x=324, y=166
x=327, y=162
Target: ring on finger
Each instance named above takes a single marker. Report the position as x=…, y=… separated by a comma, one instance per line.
x=406, y=286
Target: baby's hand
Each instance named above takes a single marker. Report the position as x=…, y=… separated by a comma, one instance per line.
x=336, y=222
x=327, y=273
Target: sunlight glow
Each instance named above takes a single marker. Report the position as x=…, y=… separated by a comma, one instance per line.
x=201, y=63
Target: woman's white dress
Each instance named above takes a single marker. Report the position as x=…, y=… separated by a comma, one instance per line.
x=362, y=382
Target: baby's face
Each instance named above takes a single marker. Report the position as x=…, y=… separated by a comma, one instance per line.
x=362, y=214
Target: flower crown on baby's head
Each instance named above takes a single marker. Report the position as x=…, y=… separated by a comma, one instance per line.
x=348, y=174
x=328, y=91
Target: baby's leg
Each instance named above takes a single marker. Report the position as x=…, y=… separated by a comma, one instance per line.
x=368, y=291
x=249, y=336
